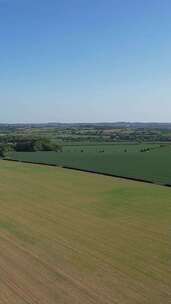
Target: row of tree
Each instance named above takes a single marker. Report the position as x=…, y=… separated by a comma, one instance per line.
x=29, y=145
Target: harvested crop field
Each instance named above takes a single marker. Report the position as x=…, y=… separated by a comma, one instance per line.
x=78, y=238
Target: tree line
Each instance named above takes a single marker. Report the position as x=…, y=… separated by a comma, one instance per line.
x=29, y=145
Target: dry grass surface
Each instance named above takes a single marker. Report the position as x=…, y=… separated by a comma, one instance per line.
x=76, y=238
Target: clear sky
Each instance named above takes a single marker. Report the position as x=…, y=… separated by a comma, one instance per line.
x=85, y=60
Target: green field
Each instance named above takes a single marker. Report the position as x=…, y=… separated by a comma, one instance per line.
x=123, y=160
x=73, y=237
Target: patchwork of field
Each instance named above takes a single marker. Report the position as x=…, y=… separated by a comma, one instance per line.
x=150, y=162
x=74, y=237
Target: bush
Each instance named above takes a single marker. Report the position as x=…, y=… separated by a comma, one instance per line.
x=5, y=149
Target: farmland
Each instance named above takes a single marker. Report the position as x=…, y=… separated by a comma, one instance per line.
x=151, y=162
x=73, y=237
x=88, y=133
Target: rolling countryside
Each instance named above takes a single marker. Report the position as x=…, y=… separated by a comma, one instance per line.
x=85, y=152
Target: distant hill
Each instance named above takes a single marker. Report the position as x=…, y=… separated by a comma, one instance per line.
x=144, y=125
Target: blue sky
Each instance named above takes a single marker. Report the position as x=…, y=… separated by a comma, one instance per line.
x=85, y=60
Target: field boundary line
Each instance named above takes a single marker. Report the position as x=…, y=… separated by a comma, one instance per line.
x=141, y=180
